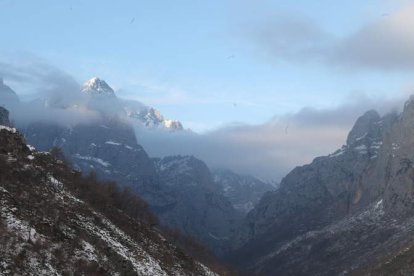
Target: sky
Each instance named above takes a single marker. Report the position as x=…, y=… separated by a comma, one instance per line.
x=220, y=66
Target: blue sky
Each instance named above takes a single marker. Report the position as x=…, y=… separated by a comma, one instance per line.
x=198, y=61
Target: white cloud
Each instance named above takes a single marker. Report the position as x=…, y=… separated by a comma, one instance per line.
x=272, y=149
x=386, y=44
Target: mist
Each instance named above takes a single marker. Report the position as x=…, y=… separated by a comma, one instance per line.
x=268, y=150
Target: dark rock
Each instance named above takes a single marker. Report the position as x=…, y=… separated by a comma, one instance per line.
x=4, y=117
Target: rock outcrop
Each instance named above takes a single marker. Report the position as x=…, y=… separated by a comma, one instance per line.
x=195, y=206
x=4, y=117
x=243, y=191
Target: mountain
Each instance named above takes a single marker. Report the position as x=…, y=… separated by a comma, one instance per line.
x=139, y=113
x=149, y=117
x=107, y=144
x=4, y=117
x=7, y=95
x=53, y=221
x=196, y=207
x=97, y=87
x=348, y=213
x=243, y=191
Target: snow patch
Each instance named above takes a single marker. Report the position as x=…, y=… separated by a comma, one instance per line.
x=56, y=183
x=216, y=237
x=112, y=143
x=362, y=137
x=395, y=146
x=12, y=130
x=362, y=149
x=118, y=240
x=93, y=159
x=338, y=152
x=20, y=227
x=31, y=148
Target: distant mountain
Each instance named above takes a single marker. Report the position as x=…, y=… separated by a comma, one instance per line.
x=107, y=144
x=54, y=222
x=197, y=208
x=4, y=117
x=7, y=96
x=350, y=212
x=97, y=87
x=149, y=117
x=139, y=113
x=243, y=191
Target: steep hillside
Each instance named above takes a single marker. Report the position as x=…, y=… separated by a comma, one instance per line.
x=107, y=145
x=347, y=213
x=196, y=206
x=243, y=191
x=7, y=96
x=54, y=221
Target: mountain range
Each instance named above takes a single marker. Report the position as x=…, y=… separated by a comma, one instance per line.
x=53, y=221
x=181, y=190
x=347, y=213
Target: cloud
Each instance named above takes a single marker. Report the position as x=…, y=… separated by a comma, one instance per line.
x=292, y=39
x=50, y=88
x=272, y=149
x=386, y=44
x=39, y=78
x=268, y=150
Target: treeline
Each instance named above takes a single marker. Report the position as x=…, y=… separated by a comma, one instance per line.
x=107, y=196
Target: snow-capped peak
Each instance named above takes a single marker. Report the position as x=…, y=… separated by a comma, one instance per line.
x=96, y=86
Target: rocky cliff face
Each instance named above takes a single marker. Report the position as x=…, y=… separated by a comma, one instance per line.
x=108, y=146
x=179, y=189
x=4, y=117
x=7, y=96
x=196, y=206
x=243, y=191
x=349, y=212
x=149, y=117
x=46, y=229
x=323, y=189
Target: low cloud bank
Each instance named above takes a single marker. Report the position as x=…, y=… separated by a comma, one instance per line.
x=269, y=150
x=272, y=149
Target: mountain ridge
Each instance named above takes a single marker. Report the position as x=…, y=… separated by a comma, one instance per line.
x=47, y=229
x=349, y=212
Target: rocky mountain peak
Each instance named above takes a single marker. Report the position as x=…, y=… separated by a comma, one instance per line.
x=150, y=117
x=173, y=124
x=182, y=165
x=366, y=126
x=97, y=87
x=408, y=112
